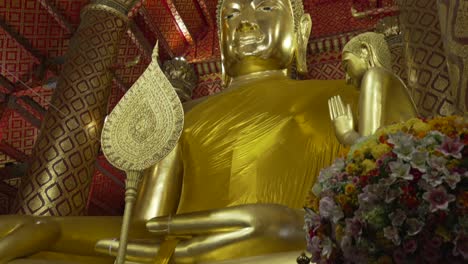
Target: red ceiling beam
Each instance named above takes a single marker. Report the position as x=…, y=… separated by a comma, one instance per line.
x=7, y=189
x=13, y=104
x=152, y=26
x=120, y=84
x=183, y=31
x=34, y=105
x=139, y=40
x=23, y=42
x=11, y=151
x=64, y=24
x=202, y=9
x=108, y=173
x=7, y=84
x=13, y=171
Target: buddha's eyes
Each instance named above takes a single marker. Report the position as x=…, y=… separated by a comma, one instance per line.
x=266, y=8
x=231, y=14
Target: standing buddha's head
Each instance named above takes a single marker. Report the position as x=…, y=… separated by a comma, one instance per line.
x=363, y=52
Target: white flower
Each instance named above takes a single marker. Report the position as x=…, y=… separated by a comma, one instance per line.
x=400, y=170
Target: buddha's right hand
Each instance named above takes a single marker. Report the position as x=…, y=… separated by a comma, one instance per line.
x=233, y=232
x=343, y=121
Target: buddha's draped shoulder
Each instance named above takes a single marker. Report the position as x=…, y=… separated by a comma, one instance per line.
x=262, y=143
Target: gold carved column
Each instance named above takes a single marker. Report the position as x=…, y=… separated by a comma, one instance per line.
x=63, y=158
x=425, y=58
x=453, y=16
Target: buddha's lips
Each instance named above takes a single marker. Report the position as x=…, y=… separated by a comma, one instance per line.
x=249, y=38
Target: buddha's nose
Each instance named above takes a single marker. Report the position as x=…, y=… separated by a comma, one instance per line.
x=246, y=26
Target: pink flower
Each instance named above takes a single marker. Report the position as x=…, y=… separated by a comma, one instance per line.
x=438, y=198
x=452, y=179
x=329, y=210
x=414, y=226
x=431, y=255
x=461, y=246
x=391, y=233
x=399, y=256
x=410, y=246
x=451, y=147
x=354, y=227
x=398, y=217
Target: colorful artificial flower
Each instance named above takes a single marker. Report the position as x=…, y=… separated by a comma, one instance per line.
x=400, y=196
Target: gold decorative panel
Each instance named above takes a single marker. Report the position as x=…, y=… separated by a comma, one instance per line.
x=63, y=158
x=453, y=16
x=426, y=65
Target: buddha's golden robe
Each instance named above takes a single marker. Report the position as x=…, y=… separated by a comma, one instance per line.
x=265, y=142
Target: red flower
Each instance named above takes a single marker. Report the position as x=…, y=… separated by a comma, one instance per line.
x=363, y=181
x=440, y=217
x=416, y=175
x=374, y=172
x=465, y=139
x=383, y=139
x=412, y=203
x=408, y=190
x=311, y=233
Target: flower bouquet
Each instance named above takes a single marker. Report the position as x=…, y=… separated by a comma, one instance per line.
x=400, y=196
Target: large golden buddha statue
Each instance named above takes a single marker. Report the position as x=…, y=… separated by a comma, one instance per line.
x=236, y=182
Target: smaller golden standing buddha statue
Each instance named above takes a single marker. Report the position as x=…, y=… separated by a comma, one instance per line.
x=384, y=98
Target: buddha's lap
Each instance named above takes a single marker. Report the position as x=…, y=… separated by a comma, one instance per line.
x=288, y=257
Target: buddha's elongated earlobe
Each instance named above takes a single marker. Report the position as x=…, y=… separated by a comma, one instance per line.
x=302, y=36
x=368, y=54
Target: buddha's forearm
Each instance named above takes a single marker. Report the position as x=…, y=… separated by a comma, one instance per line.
x=160, y=189
x=348, y=138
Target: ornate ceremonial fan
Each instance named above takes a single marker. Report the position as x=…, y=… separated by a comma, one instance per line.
x=141, y=130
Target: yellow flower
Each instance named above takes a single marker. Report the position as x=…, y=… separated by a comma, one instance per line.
x=391, y=129
x=368, y=165
x=342, y=199
x=379, y=150
x=350, y=189
x=358, y=155
x=442, y=232
x=313, y=202
x=384, y=260
x=421, y=127
x=352, y=168
x=339, y=232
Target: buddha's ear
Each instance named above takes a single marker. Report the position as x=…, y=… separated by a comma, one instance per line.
x=302, y=35
x=225, y=79
x=367, y=54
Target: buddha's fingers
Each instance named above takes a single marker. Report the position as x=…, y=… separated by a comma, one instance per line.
x=204, y=222
x=330, y=109
x=341, y=105
x=337, y=106
x=146, y=250
x=137, y=250
x=200, y=245
x=350, y=113
x=336, y=114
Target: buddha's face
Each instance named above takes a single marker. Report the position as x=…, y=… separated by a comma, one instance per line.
x=355, y=67
x=256, y=35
